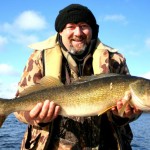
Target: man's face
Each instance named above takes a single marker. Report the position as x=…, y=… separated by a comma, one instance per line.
x=76, y=37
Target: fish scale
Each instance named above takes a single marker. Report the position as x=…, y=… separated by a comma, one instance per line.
x=88, y=96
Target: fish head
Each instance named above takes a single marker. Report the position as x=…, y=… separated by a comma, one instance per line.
x=140, y=91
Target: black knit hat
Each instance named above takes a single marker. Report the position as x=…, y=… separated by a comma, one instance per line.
x=76, y=13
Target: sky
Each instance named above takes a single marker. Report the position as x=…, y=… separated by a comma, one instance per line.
x=124, y=25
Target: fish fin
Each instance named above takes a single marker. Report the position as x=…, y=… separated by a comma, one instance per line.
x=49, y=81
x=103, y=111
x=2, y=119
x=44, y=83
x=126, y=100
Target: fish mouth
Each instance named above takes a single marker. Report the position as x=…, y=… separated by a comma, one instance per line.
x=139, y=102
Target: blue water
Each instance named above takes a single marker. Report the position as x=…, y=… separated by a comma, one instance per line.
x=12, y=132
x=141, y=131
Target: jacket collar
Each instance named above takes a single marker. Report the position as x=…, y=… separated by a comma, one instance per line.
x=51, y=42
x=46, y=44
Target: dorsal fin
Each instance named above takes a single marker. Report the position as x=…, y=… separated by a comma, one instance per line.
x=44, y=83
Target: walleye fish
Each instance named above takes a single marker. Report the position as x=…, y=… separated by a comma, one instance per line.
x=88, y=96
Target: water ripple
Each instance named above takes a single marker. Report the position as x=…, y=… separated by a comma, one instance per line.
x=12, y=133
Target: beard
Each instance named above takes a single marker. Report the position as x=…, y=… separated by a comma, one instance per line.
x=80, y=50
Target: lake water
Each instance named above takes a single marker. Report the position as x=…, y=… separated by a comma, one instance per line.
x=12, y=132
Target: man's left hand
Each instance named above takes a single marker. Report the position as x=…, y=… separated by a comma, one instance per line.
x=129, y=111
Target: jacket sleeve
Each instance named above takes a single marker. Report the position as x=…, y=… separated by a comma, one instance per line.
x=31, y=75
x=117, y=64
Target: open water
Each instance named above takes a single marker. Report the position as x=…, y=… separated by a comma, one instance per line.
x=12, y=132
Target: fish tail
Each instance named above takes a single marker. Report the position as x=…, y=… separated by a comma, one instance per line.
x=3, y=110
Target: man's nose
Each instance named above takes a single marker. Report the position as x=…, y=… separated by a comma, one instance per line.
x=78, y=31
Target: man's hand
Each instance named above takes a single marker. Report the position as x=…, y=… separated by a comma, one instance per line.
x=129, y=111
x=42, y=112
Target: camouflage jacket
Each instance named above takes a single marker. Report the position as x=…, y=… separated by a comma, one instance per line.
x=88, y=133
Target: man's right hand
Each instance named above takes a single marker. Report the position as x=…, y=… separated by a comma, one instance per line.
x=42, y=112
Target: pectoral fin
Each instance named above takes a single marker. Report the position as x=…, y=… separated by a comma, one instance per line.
x=127, y=101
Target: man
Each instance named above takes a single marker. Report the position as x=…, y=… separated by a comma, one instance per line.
x=75, y=51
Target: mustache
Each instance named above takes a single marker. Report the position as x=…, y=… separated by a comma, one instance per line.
x=81, y=38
